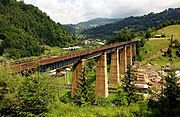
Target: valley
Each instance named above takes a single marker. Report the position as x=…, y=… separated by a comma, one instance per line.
x=103, y=67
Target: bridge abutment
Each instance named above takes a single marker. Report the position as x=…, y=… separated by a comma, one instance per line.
x=102, y=77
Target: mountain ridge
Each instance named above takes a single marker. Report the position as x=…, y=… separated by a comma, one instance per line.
x=138, y=23
x=79, y=27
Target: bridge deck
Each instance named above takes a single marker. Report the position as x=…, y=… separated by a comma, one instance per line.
x=54, y=59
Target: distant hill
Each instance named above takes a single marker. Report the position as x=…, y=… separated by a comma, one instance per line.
x=171, y=30
x=24, y=28
x=77, y=28
x=153, y=52
x=139, y=23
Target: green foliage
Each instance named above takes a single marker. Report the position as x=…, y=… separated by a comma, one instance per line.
x=167, y=23
x=124, y=35
x=152, y=53
x=66, y=98
x=149, y=33
x=9, y=86
x=84, y=95
x=142, y=23
x=91, y=69
x=25, y=27
x=168, y=103
x=174, y=48
x=177, y=47
x=121, y=99
x=35, y=95
x=142, y=42
x=134, y=110
x=171, y=30
x=171, y=91
x=169, y=52
x=25, y=96
x=77, y=28
x=139, y=46
x=129, y=86
x=17, y=43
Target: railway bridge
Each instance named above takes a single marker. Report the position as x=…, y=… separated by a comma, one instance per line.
x=121, y=55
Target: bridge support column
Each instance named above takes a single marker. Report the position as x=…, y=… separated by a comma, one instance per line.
x=133, y=51
x=129, y=54
x=123, y=61
x=77, y=73
x=114, y=68
x=102, y=77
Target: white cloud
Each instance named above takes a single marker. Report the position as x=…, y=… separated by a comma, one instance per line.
x=74, y=11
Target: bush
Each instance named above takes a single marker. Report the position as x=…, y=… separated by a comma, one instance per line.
x=66, y=98
x=120, y=98
x=9, y=85
x=35, y=96
x=30, y=96
x=104, y=102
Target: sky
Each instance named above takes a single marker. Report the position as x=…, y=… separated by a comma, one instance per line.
x=75, y=11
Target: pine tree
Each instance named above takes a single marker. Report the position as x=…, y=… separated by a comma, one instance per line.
x=129, y=86
x=171, y=92
x=84, y=94
x=35, y=95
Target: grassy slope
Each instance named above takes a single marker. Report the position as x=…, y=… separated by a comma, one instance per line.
x=151, y=52
x=171, y=30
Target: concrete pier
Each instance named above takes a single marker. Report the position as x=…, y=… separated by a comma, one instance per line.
x=114, y=68
x=102, y=77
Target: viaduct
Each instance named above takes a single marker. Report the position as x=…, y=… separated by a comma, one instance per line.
x=121, y=55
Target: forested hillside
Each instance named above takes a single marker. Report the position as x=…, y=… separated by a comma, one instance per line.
x=140, y=23
x=77, y=28
x=24, y=28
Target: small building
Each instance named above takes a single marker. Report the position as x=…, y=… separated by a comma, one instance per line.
x=158, y=36
x=72, y=48
x=88, y=41
x=101, y=43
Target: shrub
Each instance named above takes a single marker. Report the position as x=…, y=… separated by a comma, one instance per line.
x=120, y=98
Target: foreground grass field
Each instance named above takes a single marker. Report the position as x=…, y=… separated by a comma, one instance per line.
x=134, y=110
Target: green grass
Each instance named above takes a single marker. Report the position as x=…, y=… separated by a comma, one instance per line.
x=171, y=30
x=152, y=47
x=54, y=50
x=151, y=52
x=65, y=110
